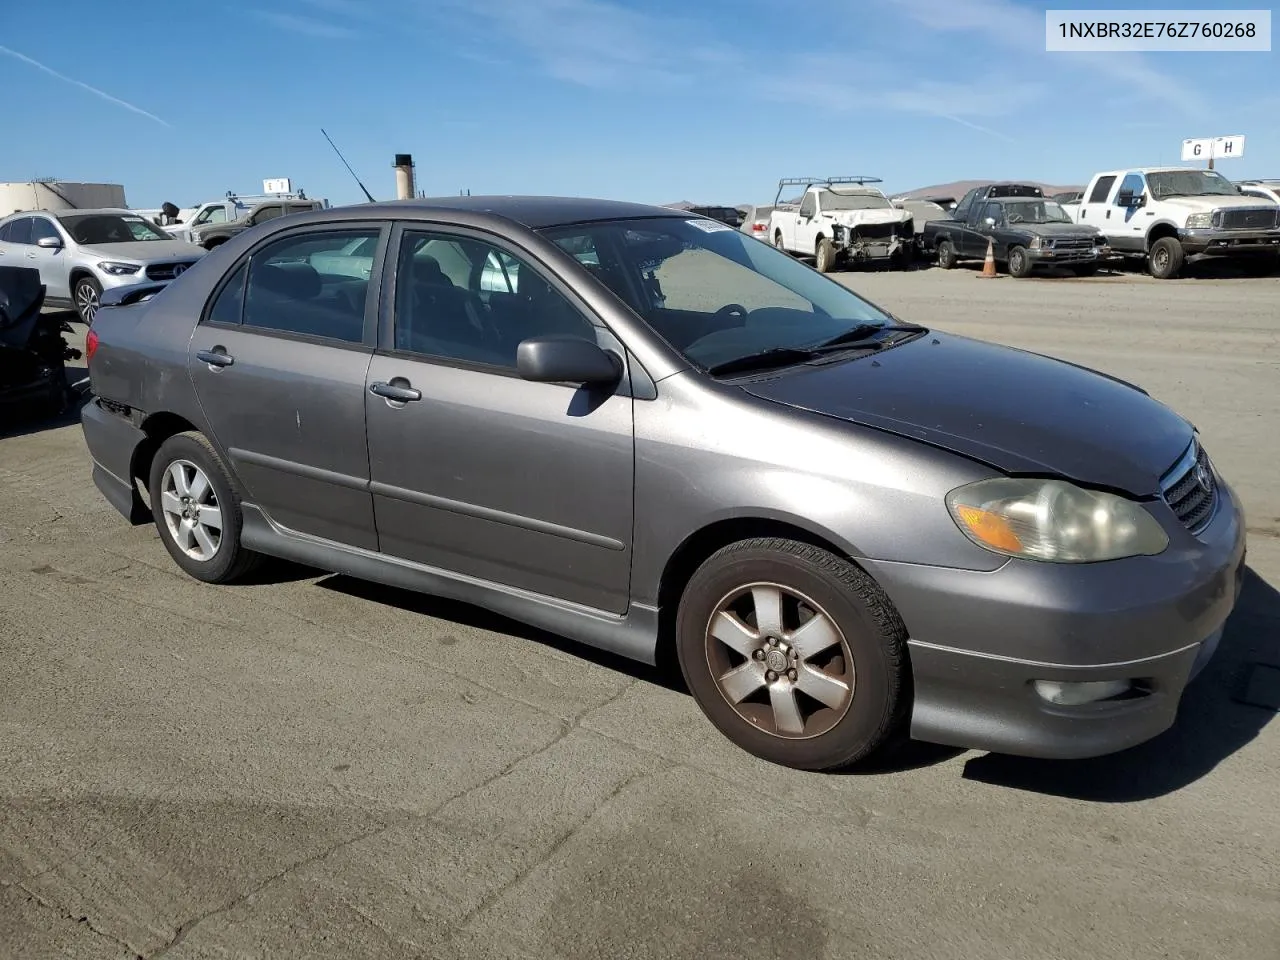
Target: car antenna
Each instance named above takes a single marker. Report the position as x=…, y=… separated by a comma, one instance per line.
x=348, y=166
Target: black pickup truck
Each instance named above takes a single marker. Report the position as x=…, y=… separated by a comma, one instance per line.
x=1024, y=232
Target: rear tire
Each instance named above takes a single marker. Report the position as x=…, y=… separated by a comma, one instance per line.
x=794, y=654
x=946, y=254
x=197, y=512
x=1165, y=258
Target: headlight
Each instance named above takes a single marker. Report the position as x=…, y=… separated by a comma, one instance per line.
x=1198, y=221
x=1036, y=243
x=118, y=269
x=1054, y=521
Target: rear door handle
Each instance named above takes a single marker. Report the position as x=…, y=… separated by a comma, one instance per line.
x=395, y=391
x=216, y=358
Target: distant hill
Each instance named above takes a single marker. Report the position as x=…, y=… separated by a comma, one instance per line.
x=958, y=188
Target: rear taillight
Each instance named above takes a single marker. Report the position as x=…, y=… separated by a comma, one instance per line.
x=90, y=345
x=758, y=227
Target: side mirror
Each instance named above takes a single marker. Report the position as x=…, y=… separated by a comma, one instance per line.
x=50, y=243
x=566, y=359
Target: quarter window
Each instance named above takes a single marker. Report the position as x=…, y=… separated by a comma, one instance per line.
x=230, y=299
x=313, y=284
x=467, y=300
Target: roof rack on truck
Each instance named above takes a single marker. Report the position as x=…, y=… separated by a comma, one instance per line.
x=807, y=182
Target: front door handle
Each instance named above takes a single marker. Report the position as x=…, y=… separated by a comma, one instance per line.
x=398, y=389
x=217, y=358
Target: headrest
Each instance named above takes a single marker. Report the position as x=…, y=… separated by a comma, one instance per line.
x=298, y=281
x=427, y=270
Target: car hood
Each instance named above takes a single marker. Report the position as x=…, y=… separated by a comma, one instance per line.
x=1071, y=230
x=1213, y=201
x=877, y=215
x=145, y=251
x=1019, y=412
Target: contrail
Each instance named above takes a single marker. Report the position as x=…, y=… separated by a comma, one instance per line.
x=84, y=86
x=973, y=126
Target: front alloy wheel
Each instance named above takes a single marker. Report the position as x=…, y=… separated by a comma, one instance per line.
x=780, y=661
x=88, y=297
x=794, y=654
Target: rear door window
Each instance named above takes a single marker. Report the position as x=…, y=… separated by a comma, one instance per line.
x=1101, y=190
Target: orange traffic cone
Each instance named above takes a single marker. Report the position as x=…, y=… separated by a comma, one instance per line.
x=989, y=265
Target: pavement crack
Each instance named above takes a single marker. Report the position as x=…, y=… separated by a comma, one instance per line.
x=550, y=853
x=184, y=929
x=78, y=918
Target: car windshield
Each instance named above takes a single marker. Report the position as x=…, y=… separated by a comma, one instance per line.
x=715, y=294
x=1189, y=183
x=1035, y=211
x=853, y=201
x=97, y=228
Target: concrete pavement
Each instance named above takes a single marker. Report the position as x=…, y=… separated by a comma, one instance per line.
x=317, y=767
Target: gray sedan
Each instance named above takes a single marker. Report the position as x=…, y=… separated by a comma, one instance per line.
x=82, y=253
x=662, y=438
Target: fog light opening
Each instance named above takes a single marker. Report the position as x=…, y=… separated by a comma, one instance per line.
x=1066, y=693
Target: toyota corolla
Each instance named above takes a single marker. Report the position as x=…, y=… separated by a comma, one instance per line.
x=654, y=434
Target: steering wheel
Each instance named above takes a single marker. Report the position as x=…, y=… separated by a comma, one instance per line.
x=731, y=308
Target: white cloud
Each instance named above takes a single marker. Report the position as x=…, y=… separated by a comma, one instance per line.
x=1020, y=30
x=307, y=26
x=82, y=85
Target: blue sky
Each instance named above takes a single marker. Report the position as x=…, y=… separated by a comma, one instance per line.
x=653, y=101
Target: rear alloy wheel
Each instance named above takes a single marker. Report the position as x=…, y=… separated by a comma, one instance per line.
x=794, y=654
x=777, y=241
x=946, y=254
x=196, y=510
x=88, y=298
x=1165, y=258
x=1019, y=262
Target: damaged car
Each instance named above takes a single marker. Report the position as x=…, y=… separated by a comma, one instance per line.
x=841, y=221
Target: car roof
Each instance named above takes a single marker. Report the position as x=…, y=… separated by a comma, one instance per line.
x=533, y=212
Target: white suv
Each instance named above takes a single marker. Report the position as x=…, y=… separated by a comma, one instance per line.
x=81, y=253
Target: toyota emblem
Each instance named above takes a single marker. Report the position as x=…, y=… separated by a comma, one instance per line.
x=1203, y=477
x=179, y=269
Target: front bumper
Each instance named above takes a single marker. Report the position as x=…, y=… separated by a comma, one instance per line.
x=1229, y=243
x=980, y=641
x=1047, y=256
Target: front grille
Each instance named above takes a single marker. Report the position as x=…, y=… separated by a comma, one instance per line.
x=1191, y=488
x=167, y=271
x=1081, y=244
x=876, y=231
x=1250, y=218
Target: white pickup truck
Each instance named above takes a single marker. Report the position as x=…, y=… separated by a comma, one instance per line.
x=1176, y=215
x=840, y=220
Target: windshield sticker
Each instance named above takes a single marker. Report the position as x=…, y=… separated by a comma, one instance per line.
x=131, y=219
x=709, y=226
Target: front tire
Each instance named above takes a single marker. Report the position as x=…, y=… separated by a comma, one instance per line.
x=826, y=255
x=1019, y=262
x=794, y=654
x=87, y=295
x=197, y=511
x=1165, y=258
